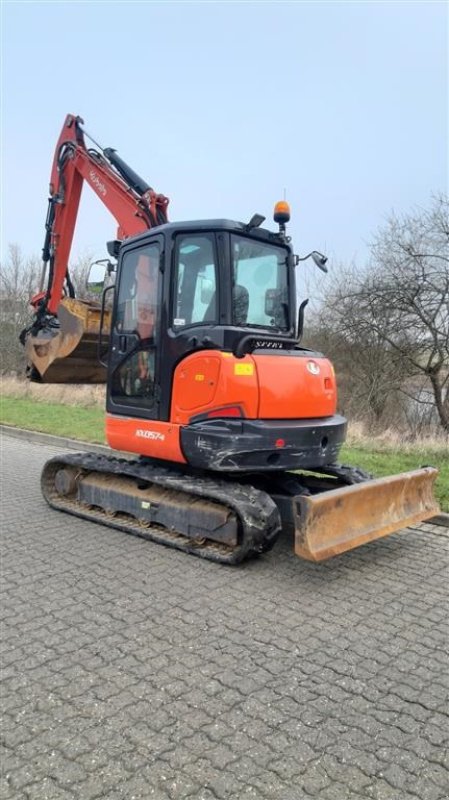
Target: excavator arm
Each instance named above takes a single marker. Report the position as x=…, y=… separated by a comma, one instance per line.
x=61, y=322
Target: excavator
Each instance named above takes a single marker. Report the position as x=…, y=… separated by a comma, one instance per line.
x=229, y=424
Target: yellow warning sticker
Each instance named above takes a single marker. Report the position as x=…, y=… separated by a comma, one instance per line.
x=243, y=369
x=199, y=377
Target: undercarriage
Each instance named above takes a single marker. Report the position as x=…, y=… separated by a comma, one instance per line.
x=228, y=520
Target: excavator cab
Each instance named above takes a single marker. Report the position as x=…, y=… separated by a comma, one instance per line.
x=205, y=365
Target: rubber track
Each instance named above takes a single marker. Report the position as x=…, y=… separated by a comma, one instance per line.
x=257, y=513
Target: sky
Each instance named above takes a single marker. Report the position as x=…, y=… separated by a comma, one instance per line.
x=223, y=106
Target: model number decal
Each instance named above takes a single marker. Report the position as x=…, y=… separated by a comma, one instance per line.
x=140, y=433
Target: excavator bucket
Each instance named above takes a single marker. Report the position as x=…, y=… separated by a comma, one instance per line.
x=71, y=356
x=334, y=521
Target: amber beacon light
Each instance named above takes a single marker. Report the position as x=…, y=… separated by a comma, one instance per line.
x=281, y=212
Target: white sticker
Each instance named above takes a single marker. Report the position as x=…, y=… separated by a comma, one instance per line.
x=179, y=322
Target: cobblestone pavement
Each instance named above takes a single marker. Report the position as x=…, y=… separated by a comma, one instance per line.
x=134, y=671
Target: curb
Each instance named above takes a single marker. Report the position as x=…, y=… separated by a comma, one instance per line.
x=54, y=441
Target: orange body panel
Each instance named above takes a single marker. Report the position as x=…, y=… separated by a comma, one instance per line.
x=295, y=388
x=212, y=379
x=145, y=437
x=265, y=386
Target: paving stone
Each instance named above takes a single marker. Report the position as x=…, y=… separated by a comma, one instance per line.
x=134, y=672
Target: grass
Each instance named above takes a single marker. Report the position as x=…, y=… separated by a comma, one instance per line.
x=86, y=423
x=386, y=461
x=58, y=393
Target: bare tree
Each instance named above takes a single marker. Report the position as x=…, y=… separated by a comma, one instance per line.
x=398, y=310
x=19, y=281
x=79, y=273
x=412, y=259
x=19, y=278
x=369, y=373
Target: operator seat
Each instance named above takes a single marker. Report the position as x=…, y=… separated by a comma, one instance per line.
x=210, y=315
x=240, y=299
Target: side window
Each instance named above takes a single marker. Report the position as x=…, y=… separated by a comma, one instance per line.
x=137, y=302
x=196, y=298
x=137, y=315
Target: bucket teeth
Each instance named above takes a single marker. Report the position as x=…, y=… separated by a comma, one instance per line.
x=41, y=352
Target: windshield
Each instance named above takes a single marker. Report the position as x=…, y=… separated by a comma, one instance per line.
x=260, y=284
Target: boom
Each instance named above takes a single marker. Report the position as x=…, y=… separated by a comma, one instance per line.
x=135, y=206
x=133, y=203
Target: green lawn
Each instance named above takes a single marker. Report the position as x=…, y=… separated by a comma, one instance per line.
x=87, y=424
x=380, y=462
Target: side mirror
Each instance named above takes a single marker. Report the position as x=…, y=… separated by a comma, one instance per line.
x=276, y=307
x=272, y=301
x=319, y=260
x=100, y=274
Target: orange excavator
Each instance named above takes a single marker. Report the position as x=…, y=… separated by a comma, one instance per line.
x=234, y=423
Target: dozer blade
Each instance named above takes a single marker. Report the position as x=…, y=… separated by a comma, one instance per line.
x=332, y=522
x=71, y=355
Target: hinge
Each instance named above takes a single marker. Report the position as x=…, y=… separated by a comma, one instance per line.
x=157, y=393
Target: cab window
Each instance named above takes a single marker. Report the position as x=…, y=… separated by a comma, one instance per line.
x=136, y=327
x=196, y=298
x=138, y=300
x=260, y=284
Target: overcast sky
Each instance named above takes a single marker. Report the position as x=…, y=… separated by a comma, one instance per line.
x=223, y=105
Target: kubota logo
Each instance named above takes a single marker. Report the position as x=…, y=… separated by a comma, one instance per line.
x=97, y=182
x=140, y=433
x=313, y=367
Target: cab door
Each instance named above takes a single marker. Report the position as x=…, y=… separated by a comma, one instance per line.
x=133, y=377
